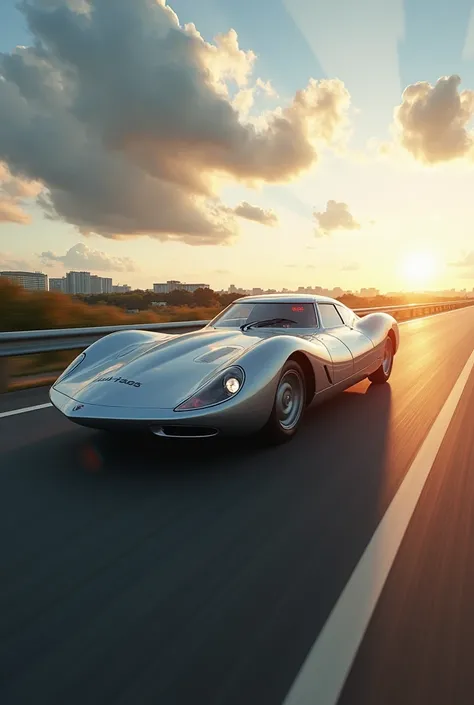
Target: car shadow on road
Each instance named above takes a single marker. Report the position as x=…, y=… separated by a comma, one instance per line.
x=350, y=427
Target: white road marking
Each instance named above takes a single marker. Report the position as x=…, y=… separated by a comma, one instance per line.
x=15, y=412
x=324, y=672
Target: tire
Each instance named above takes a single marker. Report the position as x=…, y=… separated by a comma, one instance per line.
x=382, y=374
x=288, y=406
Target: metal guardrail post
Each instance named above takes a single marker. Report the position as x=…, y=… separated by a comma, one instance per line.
x=4, y=376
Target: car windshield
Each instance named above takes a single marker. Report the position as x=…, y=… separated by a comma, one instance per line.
x=269, y=314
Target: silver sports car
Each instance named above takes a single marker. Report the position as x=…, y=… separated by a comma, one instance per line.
x=254, y=368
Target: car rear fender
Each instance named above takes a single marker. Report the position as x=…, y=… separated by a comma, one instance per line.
x=377, y=326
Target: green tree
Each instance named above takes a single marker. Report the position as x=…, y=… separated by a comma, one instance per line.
x=226, y=299
x=179, y=297
x=205, y=297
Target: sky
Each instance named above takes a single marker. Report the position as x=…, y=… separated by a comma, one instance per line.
x=273, y=144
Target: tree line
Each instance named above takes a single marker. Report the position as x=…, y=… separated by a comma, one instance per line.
x=21, y=309
x=143, y=300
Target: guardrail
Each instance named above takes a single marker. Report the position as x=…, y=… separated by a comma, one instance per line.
x=18, y=343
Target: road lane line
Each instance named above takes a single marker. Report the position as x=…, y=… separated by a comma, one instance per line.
x=3, y=414
x=324, y=672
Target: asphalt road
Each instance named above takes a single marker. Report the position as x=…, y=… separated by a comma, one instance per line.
x=140, y=571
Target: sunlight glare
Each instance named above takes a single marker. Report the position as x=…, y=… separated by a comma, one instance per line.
x=419, y=268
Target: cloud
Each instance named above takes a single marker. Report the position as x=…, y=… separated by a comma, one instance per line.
x=10, y=212
x=259, y=215
x=466, y=264
x=127, y=119
x=336, y=217
x=75, y=5
x=350, y=267
x=9, y=263
x=432, y=121
x=82, y=258
x=14, y=191
x=466, y=261
x=302, y=266
x=245, y=98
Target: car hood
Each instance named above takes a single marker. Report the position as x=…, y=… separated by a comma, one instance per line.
x=158, y=374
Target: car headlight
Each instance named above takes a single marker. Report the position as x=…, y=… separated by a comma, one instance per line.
x=225, y=386
x=71, y=367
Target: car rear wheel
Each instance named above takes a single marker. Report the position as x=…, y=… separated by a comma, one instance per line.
x=382, y=374
x=288, y=406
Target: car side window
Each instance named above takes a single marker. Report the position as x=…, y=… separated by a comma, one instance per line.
x=330, y=318
x=346, y=315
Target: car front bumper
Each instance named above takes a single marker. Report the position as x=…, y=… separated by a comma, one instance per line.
x=240, y=416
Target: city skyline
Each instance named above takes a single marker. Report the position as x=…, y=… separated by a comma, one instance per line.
x=86, y=283
x=360, y=194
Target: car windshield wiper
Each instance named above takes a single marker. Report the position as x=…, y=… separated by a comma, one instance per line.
x=267, y=322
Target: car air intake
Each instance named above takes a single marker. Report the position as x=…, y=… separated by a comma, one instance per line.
x=184, y=431
x=214, y=355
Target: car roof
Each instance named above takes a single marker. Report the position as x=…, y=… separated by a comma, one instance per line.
x=288, y=298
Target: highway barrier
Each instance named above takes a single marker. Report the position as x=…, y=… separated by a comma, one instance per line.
x=31, y=342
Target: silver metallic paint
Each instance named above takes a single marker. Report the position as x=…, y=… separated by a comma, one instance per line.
x=171, y=368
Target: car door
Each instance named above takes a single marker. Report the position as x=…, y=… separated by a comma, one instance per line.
x=367, y=350
x=342, y=358
x=359, y=345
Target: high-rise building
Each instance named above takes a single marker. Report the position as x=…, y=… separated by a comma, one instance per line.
x=121, y=289
x=57, y=284
x=36, y=281
x=107, y=287
x=162, y=288
x=173, y=285
x=193, y=287
x=369, y=293
x=96, y=284
x=101, y=285
x=78, y=283
x=86, y=284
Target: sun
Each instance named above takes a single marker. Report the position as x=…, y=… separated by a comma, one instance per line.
x=418, y=268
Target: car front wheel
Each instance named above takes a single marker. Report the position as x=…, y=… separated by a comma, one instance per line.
x=288, y=406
